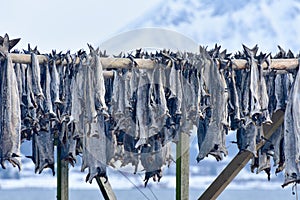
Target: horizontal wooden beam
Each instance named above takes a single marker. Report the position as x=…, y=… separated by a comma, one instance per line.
x=108, y=63
x=240, y=161
x=279, y=64
x=112, y=63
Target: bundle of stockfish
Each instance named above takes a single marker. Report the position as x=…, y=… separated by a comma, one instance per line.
x=133, y=116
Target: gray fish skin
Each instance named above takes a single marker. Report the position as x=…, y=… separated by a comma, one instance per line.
x=93, y=138
x=233, y=101
x=283, y=84
x=292, y=134
x=19, y=76
x=261, y=161
x=277, y=100
x=118, y=99
x=6, y=44
x=152, y=159
x=273, y=147
x=254, y=82
x=110, y=139
x=77, y=94
x=255, y=102
x=296, y=112
x=134, y=81
x=68, y=142
x=55, y=84
x=129, y=124
x=157, y=102
x=99, y=84
x=280, y=92
x=94, y=150
x=130, y=152
x=38, y=113
x=67, y=90
x=245, y=94
x=127, y=97
x=47, y=90
x=10, y=124
x=30, y=98
x=259, y=99
x=142, y=108
x=23, y=78
x=68, y=138
x=211, y=130
x=36, y=76
x=89, y=100
x=120, y=109
x=176, y=86
x=43, y=150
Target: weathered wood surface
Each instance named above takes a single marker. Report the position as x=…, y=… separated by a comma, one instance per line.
x=62, y=177
x=182, y=167
x=106, y=189
x=109, y=63
x=240, y=160
x=279, y=64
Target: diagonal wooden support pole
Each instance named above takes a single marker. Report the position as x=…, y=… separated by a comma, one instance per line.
x=239, y=161
x=106, y=189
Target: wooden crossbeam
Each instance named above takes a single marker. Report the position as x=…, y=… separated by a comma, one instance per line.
x=278, y=64
x=109, y=63
x=240, y=161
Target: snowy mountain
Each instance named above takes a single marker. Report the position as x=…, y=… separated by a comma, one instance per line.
x=229, y=23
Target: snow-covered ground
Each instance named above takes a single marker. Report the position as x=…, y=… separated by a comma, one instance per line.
x=121, y=179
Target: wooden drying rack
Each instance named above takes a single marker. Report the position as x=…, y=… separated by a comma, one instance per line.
x=121, y=63
x=182, y=161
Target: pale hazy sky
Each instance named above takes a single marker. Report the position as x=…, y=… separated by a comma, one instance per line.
x=65, y=24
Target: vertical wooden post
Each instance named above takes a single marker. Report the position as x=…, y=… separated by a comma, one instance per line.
x=62, y=176
x=182, y=167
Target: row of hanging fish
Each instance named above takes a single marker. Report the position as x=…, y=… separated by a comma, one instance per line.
x=254, y=95
x=133, y=116
x=41, y=102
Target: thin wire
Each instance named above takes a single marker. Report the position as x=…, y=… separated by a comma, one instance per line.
x=150, y=190
x=134, y=184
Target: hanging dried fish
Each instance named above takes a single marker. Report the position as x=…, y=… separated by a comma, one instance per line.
x=292, y=134
x=55, y=81
x=259, y=99
x=10, y=123
x=211, y=129
x=43, y=149
x=152, y=159
x=142, y=108
x=98, y=81
x=94, y=141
